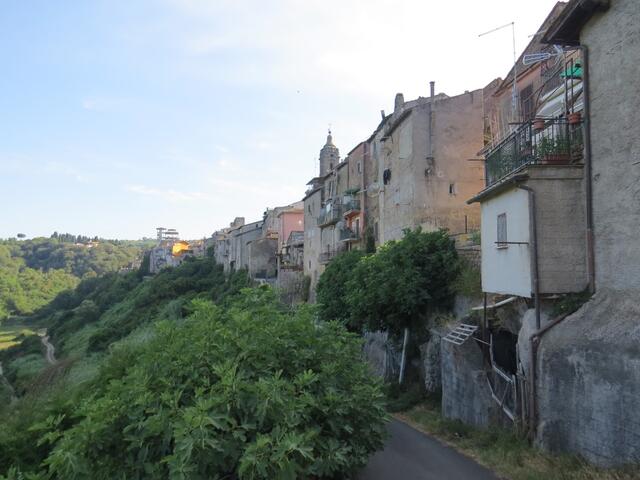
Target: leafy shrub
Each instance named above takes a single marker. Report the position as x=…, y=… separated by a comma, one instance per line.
x=468, y=283
x=403, y=281
x=331, y=291
x=250, y=391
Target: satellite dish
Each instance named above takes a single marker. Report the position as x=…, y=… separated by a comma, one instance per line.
x=373, y=189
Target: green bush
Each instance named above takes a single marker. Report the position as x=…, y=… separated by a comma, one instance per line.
x=332, y=292
x=249, y=391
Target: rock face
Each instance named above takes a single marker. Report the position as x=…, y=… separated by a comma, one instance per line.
x=465, y=392
x=430, y=362
x=589, y=381
x=383, y=357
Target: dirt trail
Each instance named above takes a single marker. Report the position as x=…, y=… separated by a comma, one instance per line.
x=51, y=350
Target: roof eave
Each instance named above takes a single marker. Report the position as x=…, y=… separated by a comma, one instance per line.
x=565, y=30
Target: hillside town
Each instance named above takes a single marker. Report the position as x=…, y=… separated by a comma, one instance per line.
x=535, y=178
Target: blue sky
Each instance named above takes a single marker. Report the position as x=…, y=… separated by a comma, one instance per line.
x=120, y=116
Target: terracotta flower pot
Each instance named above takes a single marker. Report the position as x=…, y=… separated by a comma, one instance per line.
x=538, y=124
x=574, y=118
x=556, y=159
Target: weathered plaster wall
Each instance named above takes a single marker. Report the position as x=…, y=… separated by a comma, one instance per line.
x=589, y=382
x=457, y=137
x=312, y=240
x=431, y=193
x=465, y=393
x=613, y=39
x=262, y=258
x=560, y=214
x=289, y=221
x=239, y=244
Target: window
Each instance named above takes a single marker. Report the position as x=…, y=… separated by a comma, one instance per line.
x=452, y=189
x=386, y=176
x=359, y=167
x=526, y=103
x=502, y=231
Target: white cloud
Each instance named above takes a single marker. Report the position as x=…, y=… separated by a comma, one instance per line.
x=67, y=170
x=371, y=48
x=170, y=194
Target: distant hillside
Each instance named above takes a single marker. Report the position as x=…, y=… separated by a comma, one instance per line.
x=33, y=272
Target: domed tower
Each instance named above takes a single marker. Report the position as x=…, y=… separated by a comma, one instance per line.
x=329, y=156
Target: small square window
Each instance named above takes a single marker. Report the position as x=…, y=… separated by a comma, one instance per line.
x=502, y=231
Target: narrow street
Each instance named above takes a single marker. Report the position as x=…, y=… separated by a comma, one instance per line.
x=412, y=455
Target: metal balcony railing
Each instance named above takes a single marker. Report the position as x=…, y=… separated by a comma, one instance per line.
x=326, y=257
x=349, y=235
x=352, y=205
x=554, y=142
x=328, y=217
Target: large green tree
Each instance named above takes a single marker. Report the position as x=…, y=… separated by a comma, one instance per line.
x=332, y=292
x=404, y=283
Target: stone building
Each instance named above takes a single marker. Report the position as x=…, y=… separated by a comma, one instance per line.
x=590, y=360
x=558, y=217
x=423, y=152
x=255, y=246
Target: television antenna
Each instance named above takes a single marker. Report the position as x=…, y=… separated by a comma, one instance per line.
x=514, y=93
x=532, y=58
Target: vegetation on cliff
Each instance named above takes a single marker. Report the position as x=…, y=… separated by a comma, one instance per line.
x=190, y=374
x=33, y=272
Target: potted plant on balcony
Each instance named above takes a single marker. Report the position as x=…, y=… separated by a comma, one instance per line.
x=538, y=124
x=553, y=151
x=574, y=118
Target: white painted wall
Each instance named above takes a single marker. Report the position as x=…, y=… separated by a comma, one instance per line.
x=506, y=270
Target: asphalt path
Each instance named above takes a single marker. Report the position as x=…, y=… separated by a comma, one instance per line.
x=412, y=455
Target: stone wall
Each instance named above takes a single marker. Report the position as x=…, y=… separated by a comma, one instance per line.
x=466, y=395
x=312, y=239
x=589, y=382
x=382, y=355
x=613, y=39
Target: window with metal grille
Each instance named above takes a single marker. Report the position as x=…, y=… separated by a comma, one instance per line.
x=526, y=102
x=502, y=231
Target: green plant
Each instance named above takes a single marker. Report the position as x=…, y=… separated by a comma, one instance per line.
x=468, y=283
x=248, y=391
x=570, y=303
x=332, y=289
x=403, y=282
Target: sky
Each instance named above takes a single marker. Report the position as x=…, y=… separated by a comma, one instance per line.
x=117, y=117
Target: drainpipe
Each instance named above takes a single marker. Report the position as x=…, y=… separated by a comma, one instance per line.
x=533, y=235
x=588, y=167
x=432, y=88
x=534, y=342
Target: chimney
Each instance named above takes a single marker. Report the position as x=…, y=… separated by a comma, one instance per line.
x=399, y=102
x=382, y=114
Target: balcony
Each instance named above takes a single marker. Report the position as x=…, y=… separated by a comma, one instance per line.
x=351, y=207
x=556, y=142
x=329, y=217
x=326, y=257
x=349, y=235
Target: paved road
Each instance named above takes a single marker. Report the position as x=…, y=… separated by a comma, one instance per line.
x=412, y=455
